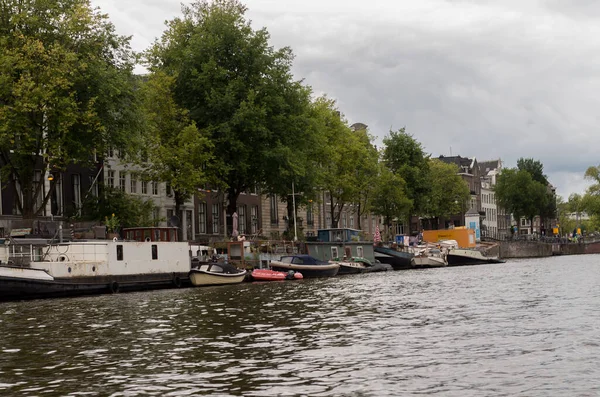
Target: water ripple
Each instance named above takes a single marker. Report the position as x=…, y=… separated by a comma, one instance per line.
x=521, y=328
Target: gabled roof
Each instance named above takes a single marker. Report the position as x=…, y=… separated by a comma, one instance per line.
x=461, y=162
x=487, y=166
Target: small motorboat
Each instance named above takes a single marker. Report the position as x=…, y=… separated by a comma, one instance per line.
x=272, y=275
x=352, y=266
x=309, y=266
x=216, y=273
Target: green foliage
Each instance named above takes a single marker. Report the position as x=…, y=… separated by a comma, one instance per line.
x=129, y=210
x=66, y=88
x=448, y=191
x=238, y=89
x=389, y=196
x=179, y=152
x=112, y=223
x=405, y=156
x=520, y=194
x=534, y=167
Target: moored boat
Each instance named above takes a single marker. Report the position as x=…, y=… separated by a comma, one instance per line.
x=398, y=260
x=96, y=267
x=429, y=257
x=351, y=266
x=461, y=256
x=307, y=265
x=216, y=273
x=272, y=275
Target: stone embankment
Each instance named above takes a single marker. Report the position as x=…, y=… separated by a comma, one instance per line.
x=537, y=249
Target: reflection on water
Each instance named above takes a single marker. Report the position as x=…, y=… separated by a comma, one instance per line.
x=520, y=328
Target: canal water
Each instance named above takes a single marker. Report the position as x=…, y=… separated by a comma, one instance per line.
x=527, y=328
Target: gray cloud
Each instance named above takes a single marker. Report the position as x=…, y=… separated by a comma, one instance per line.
x=491, y=81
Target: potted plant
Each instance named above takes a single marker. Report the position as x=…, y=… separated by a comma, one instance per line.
x=112, y=226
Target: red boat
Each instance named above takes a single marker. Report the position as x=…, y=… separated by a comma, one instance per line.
x=272, y=275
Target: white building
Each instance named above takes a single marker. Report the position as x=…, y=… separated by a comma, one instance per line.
x=128, y=178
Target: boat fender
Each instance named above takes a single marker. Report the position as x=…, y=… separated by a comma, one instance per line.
x=115, y=239
x=290, y=275
x=114, y=287
x=177, y=281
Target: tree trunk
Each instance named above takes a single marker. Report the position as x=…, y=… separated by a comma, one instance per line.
x=359, y=213
x=178, y=204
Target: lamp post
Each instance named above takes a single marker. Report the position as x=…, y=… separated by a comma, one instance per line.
x=294, y=210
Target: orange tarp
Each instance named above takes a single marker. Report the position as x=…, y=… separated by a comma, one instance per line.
x=464, y=237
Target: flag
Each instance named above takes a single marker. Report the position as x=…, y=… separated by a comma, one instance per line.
x=377, y=235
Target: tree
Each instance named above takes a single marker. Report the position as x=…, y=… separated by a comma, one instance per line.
x=389, y=197
x=405, y=157
x=237, y=88
x=179, y=152
x=520, y=194
x=130, y=210
x=547, y=207
x=448, y=191
x=366, y=171
x=66, y=90
x=534, y=167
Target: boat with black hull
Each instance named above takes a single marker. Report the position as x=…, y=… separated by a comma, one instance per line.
x=307, y=265
x=398, y=260
x=464, y=257
x=96, y=267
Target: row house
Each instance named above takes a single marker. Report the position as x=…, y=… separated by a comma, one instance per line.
x=129, y=178
x=496, y=223
x=212, y=222
x=68, y=190
x=469, y=171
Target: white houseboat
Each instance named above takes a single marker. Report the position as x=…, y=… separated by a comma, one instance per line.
x=148, y=258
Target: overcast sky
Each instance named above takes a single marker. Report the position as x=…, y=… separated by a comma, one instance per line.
x=477, y=78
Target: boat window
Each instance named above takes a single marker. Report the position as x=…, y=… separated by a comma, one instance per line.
x=119, y=252
x=347, y=252
x=360, y=252
x=334, y=252
x=154, y=251
x=286, y=259
x=298, y=260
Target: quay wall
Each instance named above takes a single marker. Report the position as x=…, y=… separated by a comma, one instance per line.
x=536, y=249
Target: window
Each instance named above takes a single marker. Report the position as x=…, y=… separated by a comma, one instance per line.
x=169, y=190
x=360, y=252
x=202, y=218
x=344, y=220
x=133, y=183
x=111, y=152
x=56, y=200
x=145, y=187
x=119, y=252
x=273, y=208
x=215, y=218
x=328, y=222
x=154, y=188
x=189, y=215
x=76, y=183
x=242, y=219
x=93, y=186
x=254, y=216
x=352, y=221
x=334, y=252
x=122, y=181
x=110, y=180
x=155, y=215
x=310, y=220
x=154, y=252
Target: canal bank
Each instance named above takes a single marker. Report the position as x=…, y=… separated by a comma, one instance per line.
x=538, y=249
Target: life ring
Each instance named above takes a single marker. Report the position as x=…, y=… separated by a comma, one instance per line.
x=115, y=239
x=177, y=281
x=114, y=287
